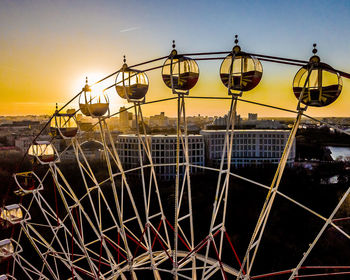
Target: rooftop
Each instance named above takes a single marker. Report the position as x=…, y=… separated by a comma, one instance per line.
x=246, y=130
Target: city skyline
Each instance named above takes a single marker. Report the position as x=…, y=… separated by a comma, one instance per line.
x=211, y=167
x=45, y=64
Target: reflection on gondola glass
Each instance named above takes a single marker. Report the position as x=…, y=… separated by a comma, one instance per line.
x=246, y=72
x=92, y=103
x=131, y=84
x=43, y=150
x=11, y=213
x=6, y=248
x=323, y=88
x=63, y=126
x=183, y=70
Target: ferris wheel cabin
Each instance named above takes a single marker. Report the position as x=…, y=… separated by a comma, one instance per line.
x=92, y=103
x=12, y=214
x=63, y=126
x=43, y=151
x=323, y=87
x=6, y=249
x=131, y=84
x=244, y=69
x=180, y=72
x=27, y=182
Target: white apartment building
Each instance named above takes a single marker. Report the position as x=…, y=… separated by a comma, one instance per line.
x=93, y=150
x=163, y=150
x=250, y=146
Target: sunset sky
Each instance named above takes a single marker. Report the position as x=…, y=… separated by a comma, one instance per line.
x=48, y=47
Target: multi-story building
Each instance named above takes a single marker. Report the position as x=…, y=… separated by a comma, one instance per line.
x=163, y=151
x=252, y=116
x=125, y=119
x=222, y=121
x=250, y=146
x=93, y=151
x=159, y=120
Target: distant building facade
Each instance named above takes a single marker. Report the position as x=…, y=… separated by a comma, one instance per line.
x=163, y=151
x=125, y=119
x=93, y=150
x=23, y=143
x=222, y=121
x=159, y=120
x=250, y=146
x=9, y=152
x=252, y=116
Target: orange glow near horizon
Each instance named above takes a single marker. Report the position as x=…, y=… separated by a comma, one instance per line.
x=36, y=92
x=275, y=92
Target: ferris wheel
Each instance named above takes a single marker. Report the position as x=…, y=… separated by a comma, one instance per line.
x=110, y=228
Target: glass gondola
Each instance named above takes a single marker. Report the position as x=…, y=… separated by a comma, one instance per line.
x=324, y=84
x=93, y=104
x=43, y=151
x=6, y=248
x=12, y=214
x=63, y=125
x=27, y=182
x=180, y=72
x=245, y=70
x=131, y=84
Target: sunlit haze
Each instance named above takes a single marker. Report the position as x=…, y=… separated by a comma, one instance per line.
x=49, y=47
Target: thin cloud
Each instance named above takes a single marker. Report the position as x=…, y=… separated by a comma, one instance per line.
x=130, y=29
